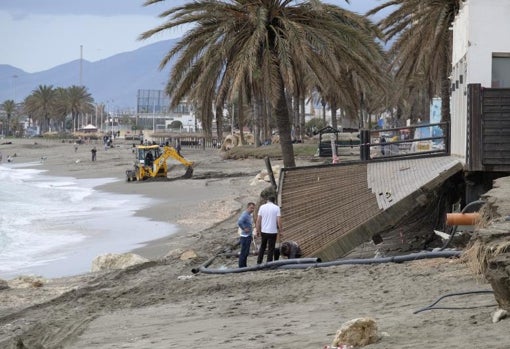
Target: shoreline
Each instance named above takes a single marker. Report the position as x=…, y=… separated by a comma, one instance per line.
x=74, y=223
x=190, y=205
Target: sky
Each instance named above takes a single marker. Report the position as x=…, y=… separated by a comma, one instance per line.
x=37, y=35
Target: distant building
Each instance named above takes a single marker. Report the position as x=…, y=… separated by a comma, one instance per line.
x=154, y=113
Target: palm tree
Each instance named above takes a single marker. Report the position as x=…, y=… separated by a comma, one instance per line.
x=40, y=105
x=9, y=107
x=79, y=102
x=423, y=45
x=62, y=107
x=268, y=47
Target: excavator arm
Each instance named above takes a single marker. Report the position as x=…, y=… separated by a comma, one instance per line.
x=170, y=152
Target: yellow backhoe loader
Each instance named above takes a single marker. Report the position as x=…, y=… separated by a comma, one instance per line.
x=151, y=163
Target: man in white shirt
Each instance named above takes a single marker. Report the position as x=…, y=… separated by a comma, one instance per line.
x=268, y=226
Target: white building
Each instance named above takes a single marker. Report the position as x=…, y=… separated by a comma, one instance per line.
x=481, y=55
x=188, y=123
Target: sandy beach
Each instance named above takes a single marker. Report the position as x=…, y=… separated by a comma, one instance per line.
x=162, y=304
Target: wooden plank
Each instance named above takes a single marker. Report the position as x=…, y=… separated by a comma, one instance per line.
x=496, y=162
x=495, y=129
x=492, y=147
x=493, y=132
x=496, y=118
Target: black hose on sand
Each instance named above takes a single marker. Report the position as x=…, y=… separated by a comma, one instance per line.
x=304, y=263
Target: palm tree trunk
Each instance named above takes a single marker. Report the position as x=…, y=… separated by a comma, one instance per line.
x=334, y=122
x=47, y=123
x=267, y=120
x=361, y=116
x=302, y=119
x=219, y=123
x=323, y=102
x=240, y=115
x=257, y=111
x=8, y=124
x=284, y=128
x=295, y=118
x=445, y=93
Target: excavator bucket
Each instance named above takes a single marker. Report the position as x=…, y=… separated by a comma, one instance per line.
x=189, y=172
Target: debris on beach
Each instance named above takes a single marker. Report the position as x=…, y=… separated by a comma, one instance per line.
x=263, y=175
x=110, y=261
x=188, y=255
x=356, y=333
x=27, y=281
x=499, y=315
x=3, y=284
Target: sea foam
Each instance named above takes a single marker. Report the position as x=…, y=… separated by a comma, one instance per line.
x=55, y=226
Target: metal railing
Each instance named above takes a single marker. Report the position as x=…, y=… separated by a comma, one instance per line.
x=409, y=141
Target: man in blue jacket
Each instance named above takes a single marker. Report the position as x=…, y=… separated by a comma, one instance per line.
x=245, y=223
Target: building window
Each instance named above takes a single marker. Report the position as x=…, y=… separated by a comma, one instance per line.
x=501, y=70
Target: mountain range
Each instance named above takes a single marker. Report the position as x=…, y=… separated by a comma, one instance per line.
x=114, y=81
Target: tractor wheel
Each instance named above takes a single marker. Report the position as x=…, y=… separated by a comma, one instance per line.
x=130, y=175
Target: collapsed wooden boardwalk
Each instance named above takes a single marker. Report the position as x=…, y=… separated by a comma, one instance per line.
x=331, y=209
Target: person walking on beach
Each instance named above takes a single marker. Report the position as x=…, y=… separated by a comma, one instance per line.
x=245, y=224
x=268, y=226
x=94, y=151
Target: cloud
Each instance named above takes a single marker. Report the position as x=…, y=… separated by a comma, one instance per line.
x=19, y=9
x=40, y=34
x=51, y=40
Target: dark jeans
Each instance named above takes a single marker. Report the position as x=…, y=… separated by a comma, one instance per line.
x=245, y=242
x=269, y=241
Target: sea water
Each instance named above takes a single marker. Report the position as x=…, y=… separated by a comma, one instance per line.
x=55, y=226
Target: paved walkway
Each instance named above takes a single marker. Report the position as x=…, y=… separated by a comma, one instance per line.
x=391, y=181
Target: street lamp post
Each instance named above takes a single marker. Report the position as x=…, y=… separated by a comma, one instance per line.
x=14, y=77
x=154, y=117
x=101, y=117
x=108, y=116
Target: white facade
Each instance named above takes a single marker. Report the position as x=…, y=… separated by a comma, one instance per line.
x=188, y=121
x=480, y=33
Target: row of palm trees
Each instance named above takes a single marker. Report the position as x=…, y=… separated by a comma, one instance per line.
x=270, y=56
x=49, y=107
x=267, y=57
x=9, y=108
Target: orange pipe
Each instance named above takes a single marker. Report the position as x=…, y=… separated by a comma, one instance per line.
x=462, y=218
